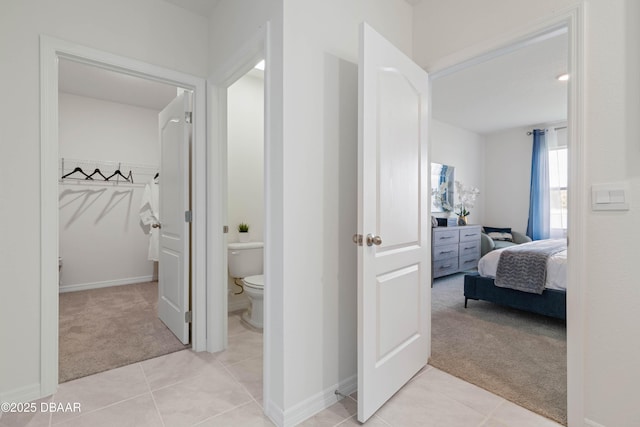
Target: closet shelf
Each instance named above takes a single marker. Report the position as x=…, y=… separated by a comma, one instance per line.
x=104, y=173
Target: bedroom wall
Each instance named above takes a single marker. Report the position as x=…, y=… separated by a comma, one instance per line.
x=465, y=150
x=151, y=30
x=507, y=178
x=101, y=240
x=612, y=153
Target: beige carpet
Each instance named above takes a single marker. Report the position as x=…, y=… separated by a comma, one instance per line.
x=516, y=355
x=106, y=328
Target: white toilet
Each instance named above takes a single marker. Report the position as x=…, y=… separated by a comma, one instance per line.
x=246, y=263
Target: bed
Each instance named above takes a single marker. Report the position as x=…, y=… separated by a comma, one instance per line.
x=550, y=302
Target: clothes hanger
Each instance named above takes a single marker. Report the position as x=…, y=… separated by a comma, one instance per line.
x=128, y=178
x=97, y=171
x=77, y=169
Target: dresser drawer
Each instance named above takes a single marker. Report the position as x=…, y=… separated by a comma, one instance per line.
x=445, y=266
x=469, y=234
x=470, y=248
x=469, y=262
x=445, y=251
x=445, y=237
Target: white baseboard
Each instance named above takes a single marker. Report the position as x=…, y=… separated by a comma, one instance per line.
x=315, y=404
x=237, y=305
x=589, y=423
x=23, y=394
x=105, y=284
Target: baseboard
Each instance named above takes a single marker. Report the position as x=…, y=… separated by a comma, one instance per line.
x=319, y=402
x=105, y=284
x=237, y=305
x=589, y=423
x=22, y=394
x=275, y=413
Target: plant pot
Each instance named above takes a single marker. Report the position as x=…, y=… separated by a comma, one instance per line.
x=244, y=237
x=462, y=220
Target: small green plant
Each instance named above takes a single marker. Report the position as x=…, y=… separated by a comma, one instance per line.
x=243, y=228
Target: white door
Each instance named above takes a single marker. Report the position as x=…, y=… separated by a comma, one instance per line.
x=173, y=275
x=394, y=256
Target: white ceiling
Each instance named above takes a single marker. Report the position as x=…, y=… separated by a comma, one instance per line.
x=513, y=90
x=94, y=82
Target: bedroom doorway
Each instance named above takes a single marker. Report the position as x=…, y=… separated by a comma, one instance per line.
x=464, y=130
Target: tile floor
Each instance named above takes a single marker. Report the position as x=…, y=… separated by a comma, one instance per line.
x=225, y=390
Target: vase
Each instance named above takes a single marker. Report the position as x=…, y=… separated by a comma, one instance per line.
x=244, y=236
x=462, y=220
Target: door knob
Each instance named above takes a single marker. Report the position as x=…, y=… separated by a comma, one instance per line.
x=156, y=226
x=373, y=240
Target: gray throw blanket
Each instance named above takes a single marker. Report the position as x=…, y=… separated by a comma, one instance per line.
x=524, y=267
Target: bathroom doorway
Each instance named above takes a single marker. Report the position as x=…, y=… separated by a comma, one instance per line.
x=109, y=231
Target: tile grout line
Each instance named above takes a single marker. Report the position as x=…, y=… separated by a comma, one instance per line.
x=240, y=384
x=153, y=398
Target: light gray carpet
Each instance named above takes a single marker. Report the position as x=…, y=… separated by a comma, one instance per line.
x=517, y=355
x=102, y=329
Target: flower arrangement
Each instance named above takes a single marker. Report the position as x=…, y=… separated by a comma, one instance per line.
x=440, y=198
x=466, y=198
x=243, y=228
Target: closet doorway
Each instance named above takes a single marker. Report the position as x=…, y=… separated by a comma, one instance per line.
x=123, y=236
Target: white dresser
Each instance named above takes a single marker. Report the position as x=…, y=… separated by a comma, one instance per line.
x=454, y=249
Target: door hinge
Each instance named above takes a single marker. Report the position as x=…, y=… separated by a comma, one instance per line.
x=188, y=116
x=188, y=317
x=225, y=229
x=188, y=216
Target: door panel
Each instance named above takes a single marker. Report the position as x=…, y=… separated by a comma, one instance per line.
x=173, y=280
x=394, y=293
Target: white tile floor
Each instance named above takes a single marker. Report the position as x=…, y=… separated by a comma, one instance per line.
x=225, y=390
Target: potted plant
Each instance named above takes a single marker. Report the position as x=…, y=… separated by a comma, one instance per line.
x=243, y=232
x=467, y=197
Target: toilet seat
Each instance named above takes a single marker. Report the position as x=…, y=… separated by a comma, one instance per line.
x=255, y=282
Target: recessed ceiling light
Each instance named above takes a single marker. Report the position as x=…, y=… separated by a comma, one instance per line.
x=260, y=65
x=563, y=77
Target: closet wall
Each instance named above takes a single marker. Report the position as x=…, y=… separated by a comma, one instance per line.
x=102, y=242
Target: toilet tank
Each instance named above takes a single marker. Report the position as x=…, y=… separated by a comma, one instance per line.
x=245, y=259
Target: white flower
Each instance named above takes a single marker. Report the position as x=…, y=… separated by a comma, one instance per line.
x=466, y=198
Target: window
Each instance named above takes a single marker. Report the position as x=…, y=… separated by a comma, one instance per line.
x=558, y=166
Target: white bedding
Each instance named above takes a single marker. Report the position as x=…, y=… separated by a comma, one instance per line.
x=556, y=268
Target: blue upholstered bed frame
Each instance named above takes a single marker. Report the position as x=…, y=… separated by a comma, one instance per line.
x=551, y=302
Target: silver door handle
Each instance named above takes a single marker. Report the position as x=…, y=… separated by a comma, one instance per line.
x=373, y=240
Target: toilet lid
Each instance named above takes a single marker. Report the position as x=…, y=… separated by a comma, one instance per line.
x=256, y=281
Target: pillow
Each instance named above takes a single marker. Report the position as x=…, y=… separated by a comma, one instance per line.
x=499, y=234
x=501, y=237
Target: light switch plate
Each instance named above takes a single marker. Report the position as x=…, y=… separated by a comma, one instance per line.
x=610, y=197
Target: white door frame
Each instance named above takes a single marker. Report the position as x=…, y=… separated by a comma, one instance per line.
x=51, y=49
x=244, y=59
x=573, y=20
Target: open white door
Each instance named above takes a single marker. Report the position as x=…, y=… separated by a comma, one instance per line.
x=173, y=275
x=394, y=252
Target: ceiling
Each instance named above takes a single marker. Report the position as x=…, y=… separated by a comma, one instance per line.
x=517, y=89
x=93, y=82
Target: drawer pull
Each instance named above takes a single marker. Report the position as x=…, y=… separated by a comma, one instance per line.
x=469, y=261
x=446, y=252
x=446, y=237
x=445, y=267
x=469, y=247
x=470, y=235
